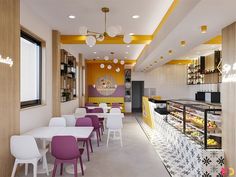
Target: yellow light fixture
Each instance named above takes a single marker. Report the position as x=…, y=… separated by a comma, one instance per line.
x=183, y=43
x=203, y=29
x=170, y=52
x=161, y=57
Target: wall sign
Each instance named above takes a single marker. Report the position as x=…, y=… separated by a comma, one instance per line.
x=229, y=73
x=7, y=61
x=106, y=85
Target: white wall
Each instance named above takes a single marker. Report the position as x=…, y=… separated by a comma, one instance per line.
x=39, y=116
x=170, y=82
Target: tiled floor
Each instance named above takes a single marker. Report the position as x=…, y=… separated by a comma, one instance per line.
x=136, y=159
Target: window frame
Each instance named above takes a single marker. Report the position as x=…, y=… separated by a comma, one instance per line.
x=36, y=102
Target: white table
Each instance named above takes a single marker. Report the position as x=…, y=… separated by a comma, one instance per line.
x=105, y=115
x=46, y=133
x=93, y=107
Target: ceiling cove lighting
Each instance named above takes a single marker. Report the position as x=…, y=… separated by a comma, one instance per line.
x=135, y=16
x=111, y=31
x=71, y=17
x=170, y=52
x=203, y=29
x=183, y=43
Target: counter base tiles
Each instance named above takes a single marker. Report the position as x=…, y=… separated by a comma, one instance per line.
x=181, y=156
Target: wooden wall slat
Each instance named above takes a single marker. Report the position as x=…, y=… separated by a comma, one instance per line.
x=229, y=97
x=9, y=81
x=56, y=74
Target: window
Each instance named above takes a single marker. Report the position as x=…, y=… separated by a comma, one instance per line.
x=30, y=71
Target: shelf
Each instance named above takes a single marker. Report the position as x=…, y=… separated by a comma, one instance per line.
x=209, y=119
x=177, y=108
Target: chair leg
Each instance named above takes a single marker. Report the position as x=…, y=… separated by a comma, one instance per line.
x=75, y=169
x=97, y=133
x=87, y=148
x=61, y=172
x=26, y=169
x=14, y=169
x=121, y=142
x=45, y=164
x=54, y=169
x=90, y=142
x=81, y=165
x=35, y=164
x=108, y=136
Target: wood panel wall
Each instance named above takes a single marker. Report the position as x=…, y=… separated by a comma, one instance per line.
x=9, y=81
x=229, y=97
x=56, y=74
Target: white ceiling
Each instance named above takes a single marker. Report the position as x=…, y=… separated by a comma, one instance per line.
x=201, y=50
x=216, y=14
x=88, y=13
x=120, y=51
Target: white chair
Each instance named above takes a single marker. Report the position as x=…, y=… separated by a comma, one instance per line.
x=104, y=107
x=70, y=120
x=25, y=150
x=115, y=110
x=80, y=112
x=114, y=125
x=57, y=122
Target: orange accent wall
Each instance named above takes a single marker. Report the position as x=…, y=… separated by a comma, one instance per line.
x=94, y=72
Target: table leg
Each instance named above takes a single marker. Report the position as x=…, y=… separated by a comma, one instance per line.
x=87, y=146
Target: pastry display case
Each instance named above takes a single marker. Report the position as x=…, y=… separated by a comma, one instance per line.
x=199, y=121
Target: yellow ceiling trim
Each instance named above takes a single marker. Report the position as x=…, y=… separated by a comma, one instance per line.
x=109, y=61
x=77, y=39
x=165, y=18
x=215, y=40
x=180, y=62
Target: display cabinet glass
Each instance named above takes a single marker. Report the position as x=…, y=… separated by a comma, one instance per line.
x=199, y=121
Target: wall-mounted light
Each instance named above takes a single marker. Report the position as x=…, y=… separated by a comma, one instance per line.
x=203, y=29
x=183, y=43
x=7, y=61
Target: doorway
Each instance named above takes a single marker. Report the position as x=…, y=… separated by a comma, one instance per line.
x=137, y=94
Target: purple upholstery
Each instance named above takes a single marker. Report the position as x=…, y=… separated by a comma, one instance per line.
x=96, y=125
x=65, y=150
x=97, y=110
x=85, y=122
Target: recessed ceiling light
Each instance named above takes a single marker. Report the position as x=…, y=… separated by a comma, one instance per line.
x=170, y=52
x=203, y=29
x=131, y=34
x=71, y=16
x=135, y=16
x=94, y=52
x=125, y=57
x=183, y=43
x=128, y=46
x=161, y=57
x=127, y=52
x=155, y=61
x=98, y=57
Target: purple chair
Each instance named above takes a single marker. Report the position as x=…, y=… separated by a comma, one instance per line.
x=97, y=126
x=85, y=122
x=116, y=105
x=65, y=150
x=101, y=120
